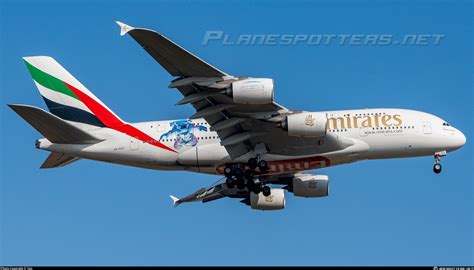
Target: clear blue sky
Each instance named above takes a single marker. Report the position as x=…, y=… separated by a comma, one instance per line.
x=379, y=212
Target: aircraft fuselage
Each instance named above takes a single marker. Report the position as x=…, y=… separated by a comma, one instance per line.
x=368, y=133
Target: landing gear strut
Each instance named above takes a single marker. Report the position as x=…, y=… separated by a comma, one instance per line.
x=437, y=157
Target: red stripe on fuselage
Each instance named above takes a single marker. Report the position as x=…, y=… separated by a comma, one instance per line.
x=289, y=166
x=112, y=121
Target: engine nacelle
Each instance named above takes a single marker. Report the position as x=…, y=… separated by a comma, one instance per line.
x=306, y=124
x=252, y=91
x=275, y=201
x=310, y=185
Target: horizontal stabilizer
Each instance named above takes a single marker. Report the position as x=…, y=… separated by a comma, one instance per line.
x=55, y=160
x=53, y=128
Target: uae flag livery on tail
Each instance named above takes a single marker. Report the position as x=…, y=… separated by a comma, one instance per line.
x=50, y=77
x=68, y=99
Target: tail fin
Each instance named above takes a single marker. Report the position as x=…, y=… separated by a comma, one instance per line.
x=66, y=97
x=52, y=127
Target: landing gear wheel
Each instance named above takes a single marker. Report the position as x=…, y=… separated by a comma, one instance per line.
x=253, y=163
x=240, y=184
x=262, y=165
x=266, y=191
x=237, y=171
x=230, y=183
x=228, y=171
x=437, y=168
x=248, y=174
x=256, y=189
x=250, y=185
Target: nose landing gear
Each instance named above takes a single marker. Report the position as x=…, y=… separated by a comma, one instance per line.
x=437, y=157
x=437, y=168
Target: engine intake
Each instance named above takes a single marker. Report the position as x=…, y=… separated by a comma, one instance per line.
x=252, y=91
x=306, y=124
x=310, y=185
x=275, y=201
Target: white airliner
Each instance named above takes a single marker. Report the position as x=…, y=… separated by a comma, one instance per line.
x=238, y=130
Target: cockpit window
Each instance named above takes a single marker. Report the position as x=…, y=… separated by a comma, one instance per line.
x=445, y=124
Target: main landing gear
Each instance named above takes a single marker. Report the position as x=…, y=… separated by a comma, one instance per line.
x=238, y=176
x=262, y=165
x=437, y=157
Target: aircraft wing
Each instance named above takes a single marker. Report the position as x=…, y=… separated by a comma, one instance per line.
x=176, y=60
x=214, y=192
x=219, y=190
x=242, y=127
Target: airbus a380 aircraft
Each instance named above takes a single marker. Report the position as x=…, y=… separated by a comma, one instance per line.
x=237, y=131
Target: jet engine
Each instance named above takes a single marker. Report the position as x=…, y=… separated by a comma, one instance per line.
x=275, y=201
x=309, y=185
x=252, y=91
x=306, y=124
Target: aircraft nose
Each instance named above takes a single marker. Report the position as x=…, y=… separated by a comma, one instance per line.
x=458, y=140
x=461, y=138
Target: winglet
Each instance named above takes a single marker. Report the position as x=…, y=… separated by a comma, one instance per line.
x=176, y=201
x=124, y=28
